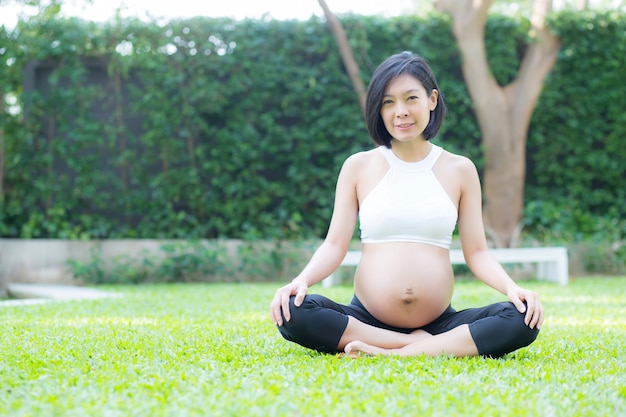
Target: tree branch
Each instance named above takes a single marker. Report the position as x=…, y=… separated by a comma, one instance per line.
x=538, y=59
x=346, y=54
x=470, y=18
x=465, y=13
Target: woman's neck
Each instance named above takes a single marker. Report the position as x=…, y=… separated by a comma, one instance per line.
x=412, y=151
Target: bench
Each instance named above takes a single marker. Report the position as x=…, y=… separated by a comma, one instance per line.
x=551, y=263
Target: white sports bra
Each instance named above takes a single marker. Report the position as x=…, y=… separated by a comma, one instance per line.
x=408, y=204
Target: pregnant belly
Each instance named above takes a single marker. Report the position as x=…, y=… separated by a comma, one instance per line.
x=404, y=287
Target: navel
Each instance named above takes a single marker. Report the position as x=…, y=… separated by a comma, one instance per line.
x=408, y=297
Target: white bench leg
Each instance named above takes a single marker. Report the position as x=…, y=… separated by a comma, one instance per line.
x=555, y=271
x=328, y=281
x=562, y=272
x=547, y=271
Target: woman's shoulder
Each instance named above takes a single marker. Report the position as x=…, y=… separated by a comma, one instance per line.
x=457, y=162
x=363, y=158
x=362, y=163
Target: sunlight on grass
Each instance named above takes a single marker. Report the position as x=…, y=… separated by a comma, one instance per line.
x=211, y=350
x=604, y=322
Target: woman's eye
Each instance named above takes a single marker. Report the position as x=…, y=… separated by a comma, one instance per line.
x=413, y=98
x=385, y=102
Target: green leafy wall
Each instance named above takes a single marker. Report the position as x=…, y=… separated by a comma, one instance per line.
x=217, y=128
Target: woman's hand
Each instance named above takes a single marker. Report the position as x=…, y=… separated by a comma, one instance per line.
x=280, y=304
x=533, y=307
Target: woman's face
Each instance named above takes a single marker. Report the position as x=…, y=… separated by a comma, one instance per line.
x=406, y=107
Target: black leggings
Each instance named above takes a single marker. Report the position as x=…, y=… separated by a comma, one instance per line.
x=319, y=323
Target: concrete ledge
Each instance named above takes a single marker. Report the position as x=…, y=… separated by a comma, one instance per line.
x=27, y=294
x=55, y=292
x=44, y=261
x=27, y=302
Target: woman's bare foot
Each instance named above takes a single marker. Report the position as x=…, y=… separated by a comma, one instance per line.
x=357, y=348
x=420, y=335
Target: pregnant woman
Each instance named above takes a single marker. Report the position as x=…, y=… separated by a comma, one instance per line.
x=408, y=195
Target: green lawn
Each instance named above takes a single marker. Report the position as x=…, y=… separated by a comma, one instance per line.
x=211, y=350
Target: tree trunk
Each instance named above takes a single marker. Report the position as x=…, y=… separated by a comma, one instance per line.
x=503, y=113
x=346, y=54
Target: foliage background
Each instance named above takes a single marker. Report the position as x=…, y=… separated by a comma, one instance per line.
x=218, y=128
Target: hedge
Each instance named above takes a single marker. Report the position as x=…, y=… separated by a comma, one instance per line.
x=221, y=128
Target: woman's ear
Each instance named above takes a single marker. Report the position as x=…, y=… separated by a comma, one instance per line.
x=434, y=96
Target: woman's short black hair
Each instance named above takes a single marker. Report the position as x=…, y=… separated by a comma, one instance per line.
x=388, y=70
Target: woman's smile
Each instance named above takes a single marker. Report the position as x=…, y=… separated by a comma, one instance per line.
x=406, y=107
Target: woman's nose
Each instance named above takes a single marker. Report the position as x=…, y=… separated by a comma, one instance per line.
x=401, y=111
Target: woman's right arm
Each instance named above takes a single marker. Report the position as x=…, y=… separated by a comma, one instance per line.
x=332, y=250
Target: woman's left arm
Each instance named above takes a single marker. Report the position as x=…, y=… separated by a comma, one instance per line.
x=480, y=261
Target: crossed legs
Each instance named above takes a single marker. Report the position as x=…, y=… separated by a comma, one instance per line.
x=323, y=325
x=361, y=338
